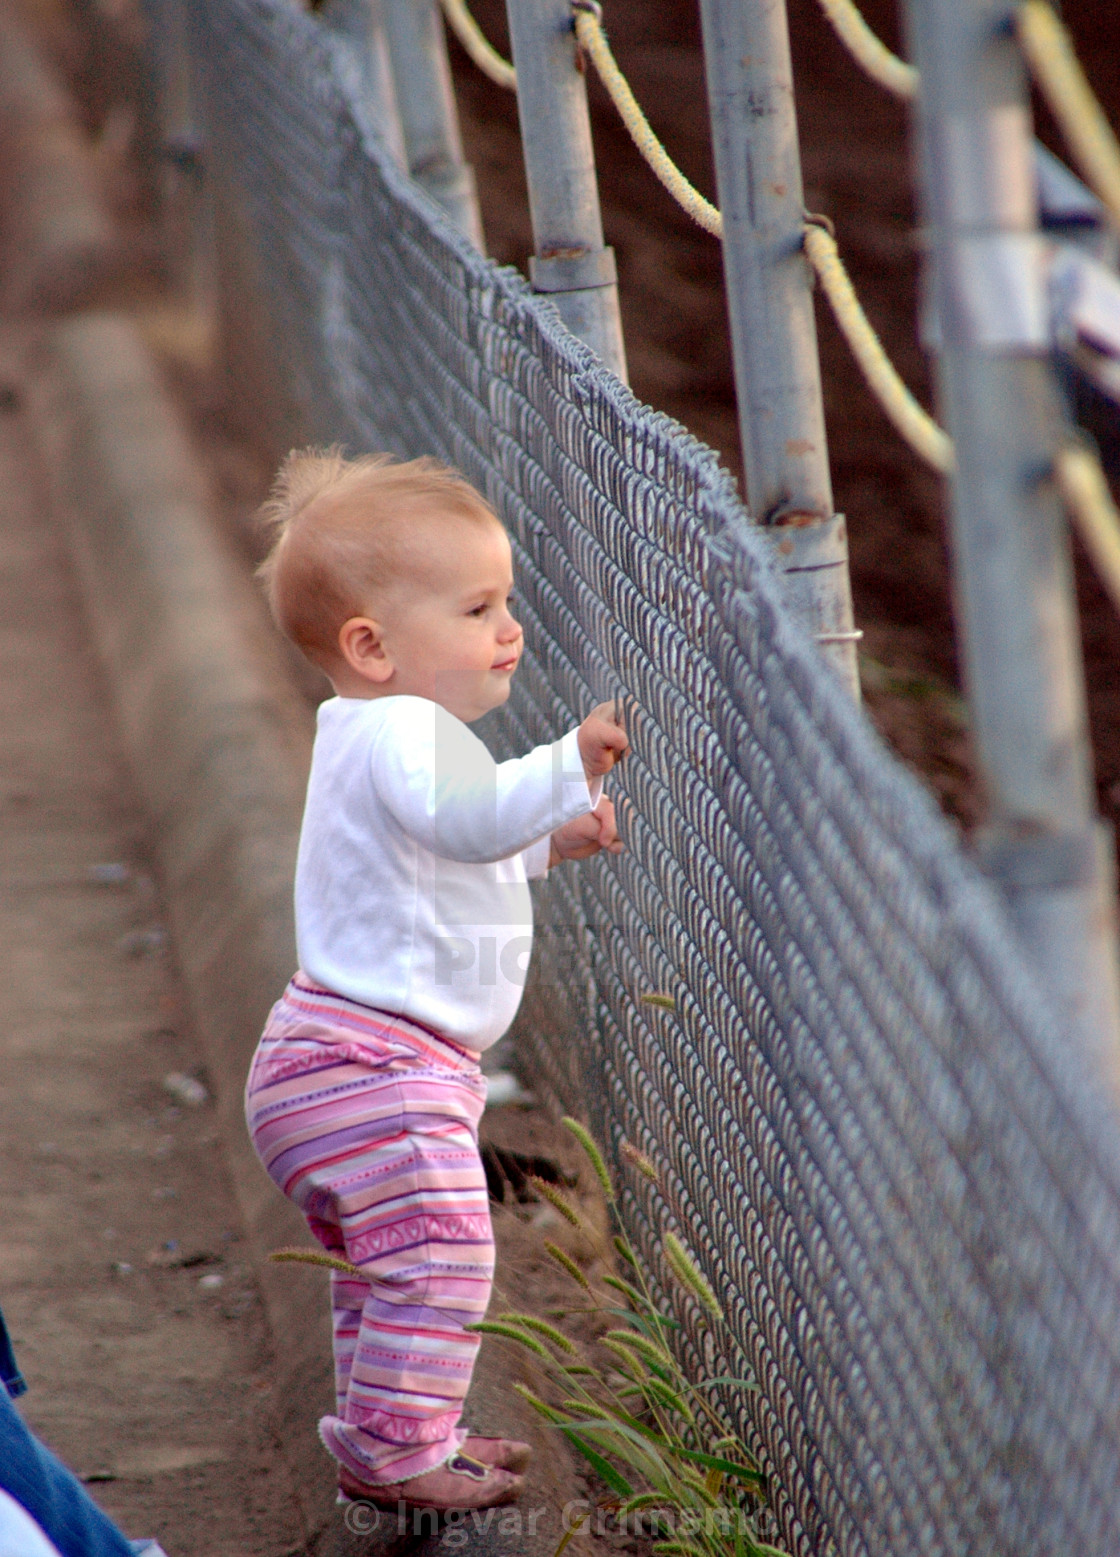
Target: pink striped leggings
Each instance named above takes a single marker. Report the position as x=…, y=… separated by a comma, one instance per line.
x=370, y=1125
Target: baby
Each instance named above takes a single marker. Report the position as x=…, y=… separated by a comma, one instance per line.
x=413, y=926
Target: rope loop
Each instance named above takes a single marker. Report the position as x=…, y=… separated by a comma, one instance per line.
x=1048, y=51
x=818, y=219
x=914, y=423
x=1088, y=501
x=593, y=41
x=477, y=45
x=869, y=51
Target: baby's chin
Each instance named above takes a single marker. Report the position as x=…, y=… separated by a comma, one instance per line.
x=493, y=698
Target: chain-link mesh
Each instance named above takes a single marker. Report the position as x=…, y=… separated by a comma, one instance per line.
x=902, y=1185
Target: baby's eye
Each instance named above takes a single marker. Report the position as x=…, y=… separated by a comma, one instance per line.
x=478, y=610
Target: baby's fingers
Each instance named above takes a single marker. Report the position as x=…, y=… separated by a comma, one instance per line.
x=608, y=828
x=609, y=726
x=605, y=743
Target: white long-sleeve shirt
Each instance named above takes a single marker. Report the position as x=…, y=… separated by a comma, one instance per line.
x=414, y=857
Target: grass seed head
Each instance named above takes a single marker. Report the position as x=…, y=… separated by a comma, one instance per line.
x=644, y=1347
x=592, y=1153
x=645, y=1165
x=538, y=1405
x=317, y=1257
x=686, y=1272
x=636, y=1299
x=566, y=1262
x=662, y=1002
x=669, y=1399
x=550, y=1193
x=540, y=1327
x=511, y=1333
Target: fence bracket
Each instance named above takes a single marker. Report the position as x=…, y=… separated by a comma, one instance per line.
x=812, y=558
x=770, y=303
x=571, y=263
x=573, y=272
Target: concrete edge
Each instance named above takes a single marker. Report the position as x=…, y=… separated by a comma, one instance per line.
x=219, y=742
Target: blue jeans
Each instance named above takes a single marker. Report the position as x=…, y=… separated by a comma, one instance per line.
x=54, y=1498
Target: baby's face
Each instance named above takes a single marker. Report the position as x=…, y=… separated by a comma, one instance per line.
x=449, y=631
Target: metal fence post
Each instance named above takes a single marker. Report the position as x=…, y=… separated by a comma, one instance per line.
x=1015, y=604
x=426, y=102
x=183, y=205
x=360, y=24
x=571, y=264
x=773, y=331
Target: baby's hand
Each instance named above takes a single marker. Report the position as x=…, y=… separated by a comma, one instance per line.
x=585, y=836
x=602, y=740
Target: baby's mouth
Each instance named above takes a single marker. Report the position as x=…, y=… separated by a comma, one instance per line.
x=507, y=664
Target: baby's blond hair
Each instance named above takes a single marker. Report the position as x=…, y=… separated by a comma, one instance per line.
x=340, y=524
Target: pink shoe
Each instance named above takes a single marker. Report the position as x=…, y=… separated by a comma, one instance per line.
x=461, y=1482
x=508, y=1453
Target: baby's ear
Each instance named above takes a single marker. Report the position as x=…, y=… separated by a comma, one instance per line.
x=361, y=646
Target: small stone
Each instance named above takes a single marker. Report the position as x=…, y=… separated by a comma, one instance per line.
x=111, y=874
x=166, y=1257
x=211, y=1281
x=143, y=943
x=187, y=1089
x=121, y=1268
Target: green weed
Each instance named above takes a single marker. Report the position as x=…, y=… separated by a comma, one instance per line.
x=673, y=1467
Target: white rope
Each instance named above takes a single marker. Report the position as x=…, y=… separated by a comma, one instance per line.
x=474, y=41
x=868, y=50
x=916, y=425
x=1085, y=493
x=1049, y=52
x=593, y=41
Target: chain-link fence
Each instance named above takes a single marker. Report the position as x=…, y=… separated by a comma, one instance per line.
x=901, y=1184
